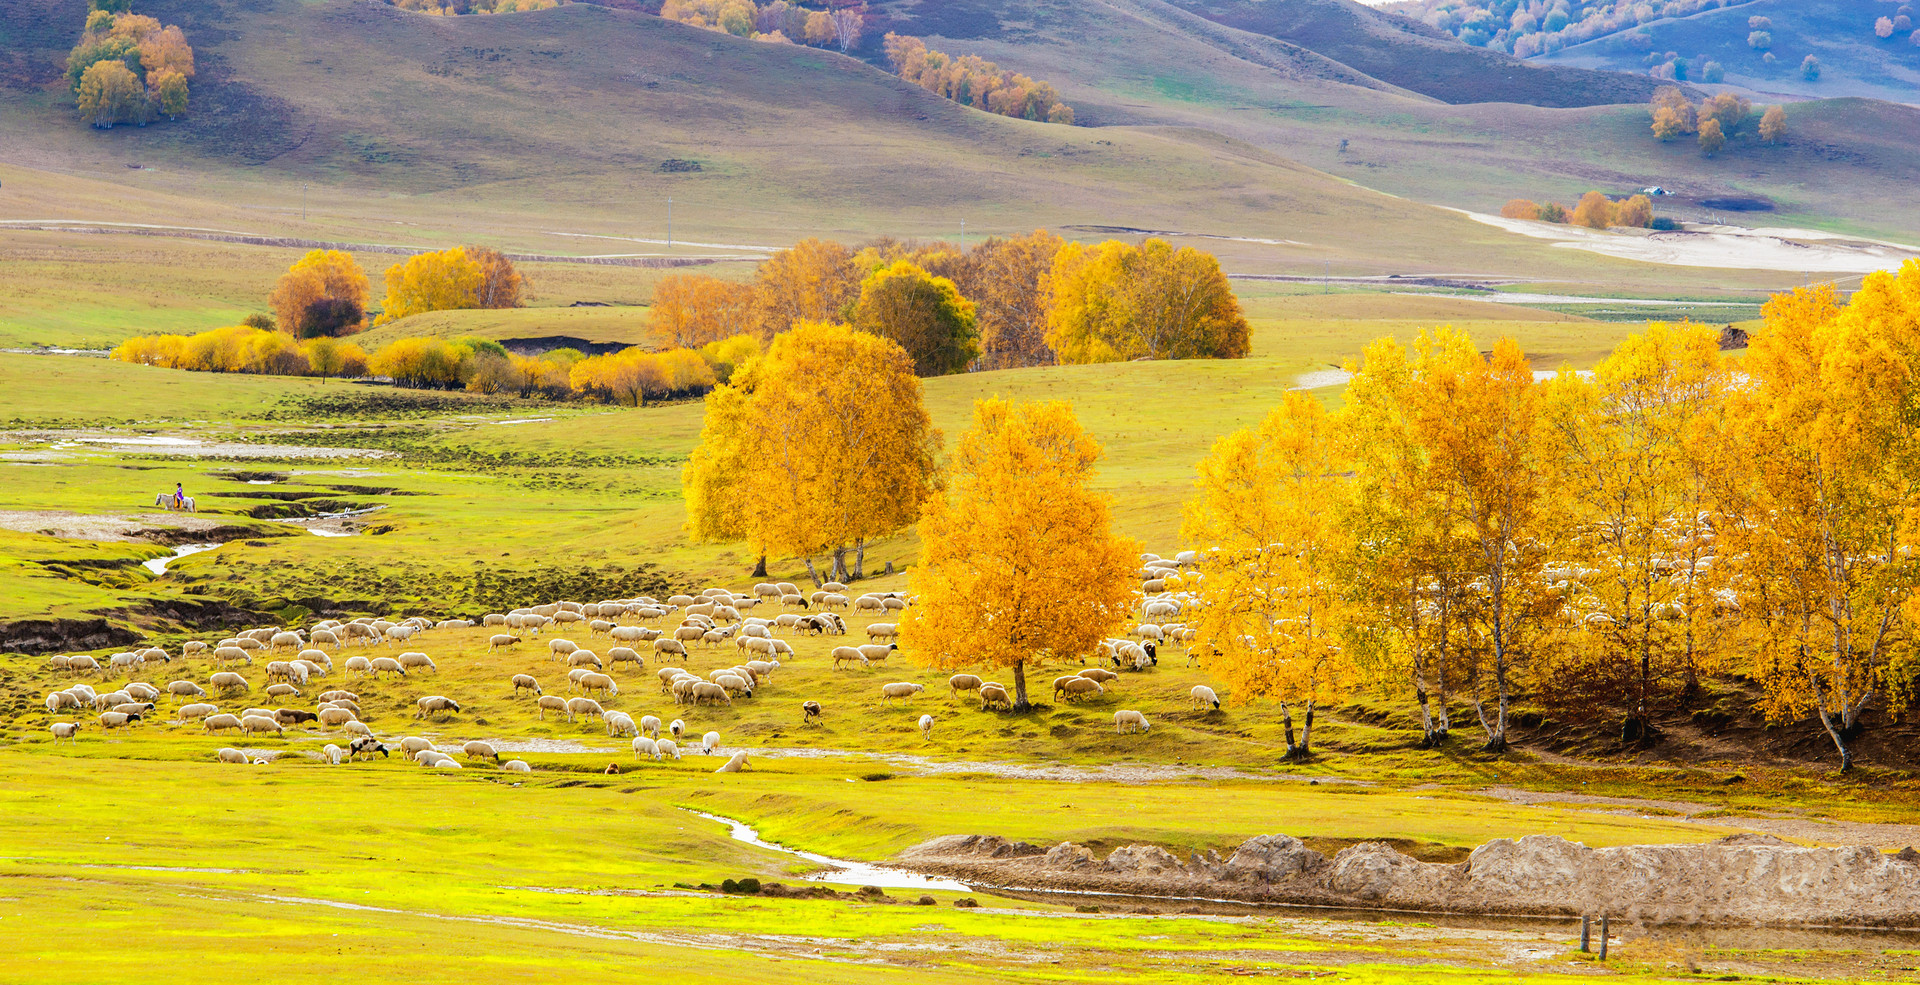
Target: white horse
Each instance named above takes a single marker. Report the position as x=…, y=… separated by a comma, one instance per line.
x=165, y=501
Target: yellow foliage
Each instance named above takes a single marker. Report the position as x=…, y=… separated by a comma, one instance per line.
x=306, y=296
x=693, y=310
x=1520, y=208
x=1019, y=565
x=1117, y=302
x=813, y=281
x=446, y=280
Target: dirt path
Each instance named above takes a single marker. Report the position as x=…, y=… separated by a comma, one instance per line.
x=1886, y=837
x=107, y=527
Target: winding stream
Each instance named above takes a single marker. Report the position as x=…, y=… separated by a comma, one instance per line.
x=159, y=565
x=842, y=871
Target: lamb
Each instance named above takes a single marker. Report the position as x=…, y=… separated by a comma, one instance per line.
x=994, y=696
x=69, y=731
x=526, y=682
x=620, y=723
x=334, y=717
x=550, y=702
x=501, y=640
x=709, y=742
x=359, y=665
x=1202, y=695
x=666, y=747
x=332, y=754
x=417, y=660
x=282, y=691
x=734, y=765
x=926, y=728
x=899, y=689
x=516, y=766
x=436, y=703
x=809, y=712
x=883, y=631
x=261, y=723
x=198, y=710
x=480, y=750
x=227, y=679
x=645, y=746
x=1077, y=687
x=366, y=744
x=1129, y=721
x=184, y=689
x=214, y=723
x=584, y=706
x=388, y=665
x=650, y=725
x=230, y=755
x=962, y=682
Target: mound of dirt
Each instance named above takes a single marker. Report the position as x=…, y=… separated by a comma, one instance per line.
x=1745, y=879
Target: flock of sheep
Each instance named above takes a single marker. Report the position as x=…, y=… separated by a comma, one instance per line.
x=715, y=619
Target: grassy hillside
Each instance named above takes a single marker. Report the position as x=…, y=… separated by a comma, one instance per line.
x=1854, y=62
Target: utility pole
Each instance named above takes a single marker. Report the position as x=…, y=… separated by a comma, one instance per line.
x=1326, y=277
x=669, y=222
x=963, y=235
x=303, y=201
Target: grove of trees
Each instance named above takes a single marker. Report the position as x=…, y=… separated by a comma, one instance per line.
x=449, y=280
x=827, y=24
x=1594, y=210
x=128, y=68
x=323, y=293
x=1715, y=120
x=973, y=81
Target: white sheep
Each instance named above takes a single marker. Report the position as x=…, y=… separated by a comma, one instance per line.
x=480, y=750
x=643, y=746
x=214, y=723
x=516, y=766
x=526, y=682
x=185, y=689
x=1202, y=695
x=883, y=631
x=412, y=746
x=735, y=764
x=900, y=690
x=436, y=703
x=230, y=755
x=57, y=700
x=499, y=640
x=414, y=660
x=69, y=731
x=388, y=665
x=664, y=748
x=332, y=754
x=227, y=679
x=677, y=729
x=116, y=719
x=620, y=723
x=1129, y=721
x=709, y=742
x=187, y=713
x=334, y=717
x=359, y=665
x=650, y=726
x=550, y=702
x=926, y=728
x=261, y=723
x=583, y=706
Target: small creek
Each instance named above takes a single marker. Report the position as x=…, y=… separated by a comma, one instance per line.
x=159, y=565
x=843, y=871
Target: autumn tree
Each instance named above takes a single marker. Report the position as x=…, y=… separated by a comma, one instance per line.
x=445, y=280
x=323, y=293
x=1635, y=212
x=167, y=92
x=1773, y=125
x=1711, y=137
x=1637, y=575
x=1009, y=288
x=110, y=93
x=976, y=82
x=1726, y=109
x=1019, y=565
x=694, y=310
x=820, y=445
x=1117, y=302
x=925, y=314
x=814, y=280
x=1829, y=514
x=1520, y=208
x=501, y=286
x=1478, y=420
x=1595, y=211
x=1270, y=605
x=1673, y=114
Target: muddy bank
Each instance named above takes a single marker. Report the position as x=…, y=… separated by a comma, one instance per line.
x=37, y=636
x=1742, y=879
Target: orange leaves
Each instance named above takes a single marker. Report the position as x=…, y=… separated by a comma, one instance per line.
x=632, y=376
x=975, y=82
x=440, y=281
x=814, y=280
x=693, y=310
x=1019, y=563
x=1116, y=302
x=323, y=293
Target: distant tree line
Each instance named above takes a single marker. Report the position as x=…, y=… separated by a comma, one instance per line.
x=1594, y=211
x=453, y=8
x=128, y=67
x=821, y=24
x=974, y=81
x=1715, y=120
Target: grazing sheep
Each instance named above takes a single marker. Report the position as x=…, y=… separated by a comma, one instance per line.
x=357, y=728
x=368, y=745
x=663, y=646
x=883, y=631
x=848, y=654
x=625, y=654
x=278, y=640
x=620, y=723
x=709, y=742
x=334, y=717
x=891, y=604
x=809, y=712
x=294, y=716
x=734, y=683
x=347, y=703
x=650, y=726
x=418, y=660
x=332, y=754
x=1202, y=695
x=192, y=648
x=560, y=649
x=877, y=652
x=704, y=692
x=230, y=755
x=142, y=692
x=899, y=689
x=591, y=682
x=677, y=729
x=1076, y=686
x=480, y=750
x=282, y=691
x=359, y=665
x=994, y=696
x=516, y=766
x=583, y=658
x=227, y=680
x=550, y=702
x=322, y=637
x=926, y=728
x=261, y=723
x=584, y=706
x=65, y=730
x=735, y=764
x=499, y=640
x=526, y=682
x=184, y=689
x=962, y=682
x=388, y=665
x=77, y=664
x=1130, y=721
x=187, y=713
x=214, y=723
x=137, y=709
x=643, y=746
x=665, y=748
x=1101, y=674
x=57, y=700
x=412, y=746
x=436, y=703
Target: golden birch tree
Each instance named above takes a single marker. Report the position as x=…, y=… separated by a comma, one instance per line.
x=1019, y=565
x=1265, y=521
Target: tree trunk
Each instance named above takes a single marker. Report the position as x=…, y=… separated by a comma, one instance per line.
x=1020, y=686
x=1839, y=740
x=840, y=565
x=1306, y=734
x=1286, y=719
x=859, y=559
x=1497, y=729
x=760, y=569
x=1427, y=740
x=815, y=575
